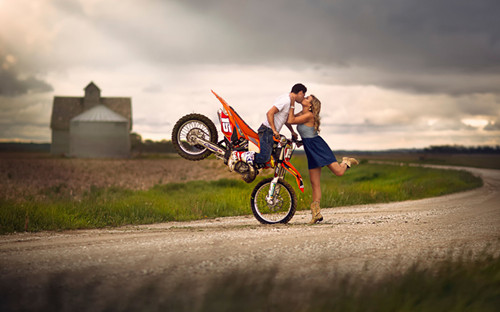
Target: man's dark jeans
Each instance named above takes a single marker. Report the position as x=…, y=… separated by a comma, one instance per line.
x=266, y=145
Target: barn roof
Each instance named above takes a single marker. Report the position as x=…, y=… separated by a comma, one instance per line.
x=66, y=108
x=100, y=113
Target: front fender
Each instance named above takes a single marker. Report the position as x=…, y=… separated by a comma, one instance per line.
x=290, y=168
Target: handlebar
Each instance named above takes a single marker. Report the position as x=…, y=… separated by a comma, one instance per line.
x=298, y=142
x=283, y=140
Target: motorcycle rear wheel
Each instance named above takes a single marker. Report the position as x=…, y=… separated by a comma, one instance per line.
x=189, y=126
x=283, y=208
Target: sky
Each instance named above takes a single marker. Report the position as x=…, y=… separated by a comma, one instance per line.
x=389, y=73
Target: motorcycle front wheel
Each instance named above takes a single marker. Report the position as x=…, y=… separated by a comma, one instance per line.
x=187, y=129
x=283, y=207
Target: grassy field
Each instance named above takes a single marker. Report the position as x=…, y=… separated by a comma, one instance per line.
x=115, y=206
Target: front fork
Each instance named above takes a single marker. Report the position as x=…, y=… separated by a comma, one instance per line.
x=274, y=188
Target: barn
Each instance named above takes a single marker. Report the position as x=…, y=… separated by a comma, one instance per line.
x=91, y=126
x=99, y=132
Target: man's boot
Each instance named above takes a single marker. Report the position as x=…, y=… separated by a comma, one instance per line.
x=236, y=156
x=316, y=215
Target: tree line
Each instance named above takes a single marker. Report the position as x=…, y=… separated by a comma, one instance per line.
x=138, y=145
x=459, y=149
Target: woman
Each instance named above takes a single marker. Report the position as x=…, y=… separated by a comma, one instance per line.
x=317, y=150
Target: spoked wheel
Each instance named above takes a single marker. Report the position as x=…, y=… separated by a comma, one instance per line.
x=283, y=207
x=187, y=129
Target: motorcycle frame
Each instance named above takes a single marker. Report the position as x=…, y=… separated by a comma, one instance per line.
x=240, y=132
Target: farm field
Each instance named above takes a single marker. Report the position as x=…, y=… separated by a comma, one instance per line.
x=30, y=175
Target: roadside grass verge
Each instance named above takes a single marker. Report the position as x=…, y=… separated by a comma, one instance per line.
x=467, y=283
x=376, y=184
x=113, y=206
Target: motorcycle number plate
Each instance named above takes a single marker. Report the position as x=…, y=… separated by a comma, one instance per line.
x=226, y=126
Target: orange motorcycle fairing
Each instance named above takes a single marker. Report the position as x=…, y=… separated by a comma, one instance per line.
x=290, y=168
x=242, y=128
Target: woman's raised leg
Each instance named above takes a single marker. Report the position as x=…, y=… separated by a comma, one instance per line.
x=338, y=169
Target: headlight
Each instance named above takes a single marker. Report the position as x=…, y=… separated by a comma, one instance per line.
x=283, y=140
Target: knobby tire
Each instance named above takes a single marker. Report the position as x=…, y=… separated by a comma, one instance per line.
x=202, y=152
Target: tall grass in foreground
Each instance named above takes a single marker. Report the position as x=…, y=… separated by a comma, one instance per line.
x=102, y=207
x=469, y=283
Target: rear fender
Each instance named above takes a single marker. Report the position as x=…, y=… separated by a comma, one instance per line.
x=228, y=109
x=238, y=124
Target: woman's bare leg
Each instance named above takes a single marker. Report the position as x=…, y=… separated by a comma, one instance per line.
x=314, y=176
x=338, y=169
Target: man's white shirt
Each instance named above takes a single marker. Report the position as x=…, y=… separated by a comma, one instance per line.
x=282, y=103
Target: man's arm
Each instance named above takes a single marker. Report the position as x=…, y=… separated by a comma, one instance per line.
x=270, y=118
x=289, y=126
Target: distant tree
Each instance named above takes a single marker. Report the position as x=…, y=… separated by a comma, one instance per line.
x=135, y=141
x=24, y=147
x=150, y=146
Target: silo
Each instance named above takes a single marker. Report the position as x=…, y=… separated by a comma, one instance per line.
x=99, y=133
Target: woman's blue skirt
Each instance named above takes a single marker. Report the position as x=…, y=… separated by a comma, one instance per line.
x=318, y=152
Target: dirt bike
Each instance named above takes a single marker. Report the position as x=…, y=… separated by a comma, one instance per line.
x=273, y=200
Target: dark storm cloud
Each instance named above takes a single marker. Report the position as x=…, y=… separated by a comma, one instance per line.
x=12, y=85
x=414, y=45
x=440, y=46
x=17, y=77
x=402, y=34
x=493, y=126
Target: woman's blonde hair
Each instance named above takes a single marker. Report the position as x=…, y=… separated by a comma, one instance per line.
x=315, y=109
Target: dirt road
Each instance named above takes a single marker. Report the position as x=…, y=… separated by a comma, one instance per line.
x=357, y=239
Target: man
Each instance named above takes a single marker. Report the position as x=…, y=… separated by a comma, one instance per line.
x=276, y=118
